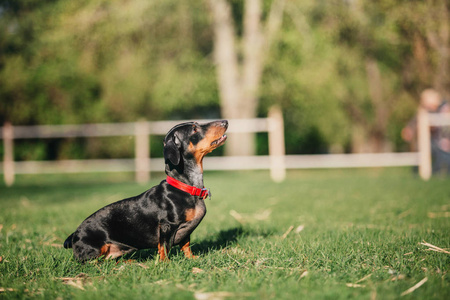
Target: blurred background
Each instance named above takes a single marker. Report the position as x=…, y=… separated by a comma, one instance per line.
x=347, y=74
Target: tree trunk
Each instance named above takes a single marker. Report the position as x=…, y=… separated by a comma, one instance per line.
x=239, y=80
x=377, y=140
x=439, y=40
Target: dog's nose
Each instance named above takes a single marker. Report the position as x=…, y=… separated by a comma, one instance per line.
x=224, y=123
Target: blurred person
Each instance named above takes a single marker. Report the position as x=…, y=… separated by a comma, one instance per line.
x=432, y=101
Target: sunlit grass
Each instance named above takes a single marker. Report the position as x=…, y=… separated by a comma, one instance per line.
x=331, y=234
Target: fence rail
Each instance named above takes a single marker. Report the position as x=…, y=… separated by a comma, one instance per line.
x=277, y=162
x=142, y=164
x=260, y=162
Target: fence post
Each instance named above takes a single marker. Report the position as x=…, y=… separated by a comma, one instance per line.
x=142, y=152
x=424, y=144
x=8, y=156
x=276, y=144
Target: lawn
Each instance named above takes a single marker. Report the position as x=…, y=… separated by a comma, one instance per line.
x=321, y=234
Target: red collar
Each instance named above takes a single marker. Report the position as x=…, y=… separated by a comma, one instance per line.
x=194, y=191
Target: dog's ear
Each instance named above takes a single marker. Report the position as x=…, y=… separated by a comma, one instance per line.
x=171, y=152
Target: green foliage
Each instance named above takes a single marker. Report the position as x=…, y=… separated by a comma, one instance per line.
x=361, y=227
x=104, y=61
x=91, y=61
x=98, y=61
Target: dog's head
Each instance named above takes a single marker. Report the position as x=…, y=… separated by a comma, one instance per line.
x=192, y=141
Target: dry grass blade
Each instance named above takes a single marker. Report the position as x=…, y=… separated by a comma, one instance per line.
x=398, y=277
x=299, y=228
x=287, y=232
x=355, y=285
x=304, y=274
x=218, y=295
x=237, y=216
x=262, y=216
x=244, y=218
x=142, y=265
x=197, y=270
x=162, y=282
x=415, y=287
x=364, y=278
x=434, y=248
x=77, y=281
x=78, y=277
x=443, y=214
x=77, y=284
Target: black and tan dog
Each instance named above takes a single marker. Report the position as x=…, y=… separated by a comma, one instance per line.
x=163, y=216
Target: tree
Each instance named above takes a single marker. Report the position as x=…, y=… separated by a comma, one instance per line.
x=239, y=72
x=347, y=74
x=399, y=47
x=104, y=61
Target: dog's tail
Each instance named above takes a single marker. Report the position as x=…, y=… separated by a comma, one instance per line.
x=68, y=242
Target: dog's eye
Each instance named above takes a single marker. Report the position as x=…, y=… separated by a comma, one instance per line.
x=194, y=129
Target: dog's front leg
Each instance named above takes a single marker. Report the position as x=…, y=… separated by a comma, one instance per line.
x=186, y=247
x=165, y=241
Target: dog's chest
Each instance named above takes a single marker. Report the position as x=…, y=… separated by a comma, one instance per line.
x=196, y=214
x=192, y=217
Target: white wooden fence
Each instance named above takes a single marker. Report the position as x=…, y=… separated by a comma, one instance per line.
x=277, y=162
x=142, y=164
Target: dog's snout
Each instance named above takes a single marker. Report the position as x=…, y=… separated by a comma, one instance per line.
x=224, y=123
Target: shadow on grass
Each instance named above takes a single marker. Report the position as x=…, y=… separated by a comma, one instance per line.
x=223, y=239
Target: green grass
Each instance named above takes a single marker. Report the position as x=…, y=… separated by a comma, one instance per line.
x=357, y=224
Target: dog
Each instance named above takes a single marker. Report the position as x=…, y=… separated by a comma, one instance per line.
x=163, y=216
